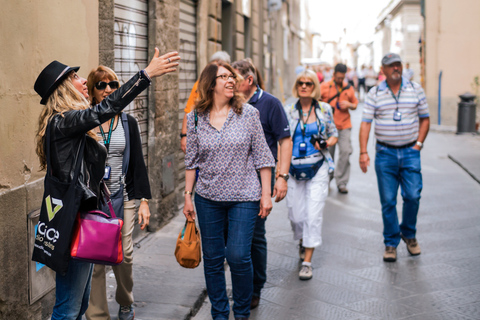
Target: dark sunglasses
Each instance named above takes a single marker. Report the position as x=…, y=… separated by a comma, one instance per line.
x=102, y=85
x=308, y=84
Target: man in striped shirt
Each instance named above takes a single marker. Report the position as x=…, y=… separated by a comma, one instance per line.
x=402, y=122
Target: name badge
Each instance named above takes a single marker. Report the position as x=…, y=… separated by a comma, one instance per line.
x=106, y=176
x=302, y=147
x=397, y=116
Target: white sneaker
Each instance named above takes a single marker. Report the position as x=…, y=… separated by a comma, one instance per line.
x=305, y=273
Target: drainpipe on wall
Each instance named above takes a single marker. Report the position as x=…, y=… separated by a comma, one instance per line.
x=440, y=98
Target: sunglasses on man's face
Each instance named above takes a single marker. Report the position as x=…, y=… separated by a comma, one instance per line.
x=102, y=85
x=308, y=84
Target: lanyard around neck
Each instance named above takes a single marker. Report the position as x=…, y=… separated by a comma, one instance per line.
x=106, y=140
x=303, y=126
x=338, y=90
x=396, y=97
x=260, y=94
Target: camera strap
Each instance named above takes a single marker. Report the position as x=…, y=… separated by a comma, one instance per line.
x=303, y=125
x=338, y=92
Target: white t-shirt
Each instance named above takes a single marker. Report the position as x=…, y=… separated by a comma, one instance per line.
x=370, y=78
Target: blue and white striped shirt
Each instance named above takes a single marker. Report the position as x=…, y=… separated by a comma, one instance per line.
x=381, y=105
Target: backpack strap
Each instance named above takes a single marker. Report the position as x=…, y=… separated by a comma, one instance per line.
x=339, y=92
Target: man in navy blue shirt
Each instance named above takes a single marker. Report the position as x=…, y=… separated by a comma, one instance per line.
x=277, y=132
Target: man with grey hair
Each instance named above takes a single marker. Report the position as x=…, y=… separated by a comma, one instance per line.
x=277, y=133
x=402, y=121
x=217, y=56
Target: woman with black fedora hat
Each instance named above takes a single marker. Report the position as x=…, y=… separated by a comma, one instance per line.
x=65, y=128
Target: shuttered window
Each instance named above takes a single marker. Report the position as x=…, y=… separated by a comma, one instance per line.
x=131, y=55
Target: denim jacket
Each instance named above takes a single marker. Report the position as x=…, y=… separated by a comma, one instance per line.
x=324, y=115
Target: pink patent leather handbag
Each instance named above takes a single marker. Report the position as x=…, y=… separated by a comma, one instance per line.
x=97, y=237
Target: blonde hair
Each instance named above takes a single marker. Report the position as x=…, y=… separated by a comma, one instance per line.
x=65, y=98
x=309, y=74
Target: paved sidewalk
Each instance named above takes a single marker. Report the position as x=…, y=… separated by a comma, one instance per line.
x=162, y=288
x=463, y=149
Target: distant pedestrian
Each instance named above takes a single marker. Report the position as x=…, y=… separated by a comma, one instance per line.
x=328, y=73
x=381, y=77
x=101, y=82
x=351, y=77
x=341, y=96
x=70, y=121
x=318, y=70
x=299, y=68
x=219, y=56
x=275, y=126
x=313, y=130
x=400, y=111
x=226, y=143
x=370, y=78
x=361, y=79
x=408, y=73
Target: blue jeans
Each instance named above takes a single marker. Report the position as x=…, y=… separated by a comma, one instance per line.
x=396, y=167
x=73, y=291
x=241, y=218
x=259, y=250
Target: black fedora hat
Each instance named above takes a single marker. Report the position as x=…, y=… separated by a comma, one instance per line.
x=50, y=78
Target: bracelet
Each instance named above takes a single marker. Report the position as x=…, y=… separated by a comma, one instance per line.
x=363, y=152
x=187, y=192
x=144, y=199
x=183, y=135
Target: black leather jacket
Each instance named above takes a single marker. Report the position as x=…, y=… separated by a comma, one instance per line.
x=69, y=129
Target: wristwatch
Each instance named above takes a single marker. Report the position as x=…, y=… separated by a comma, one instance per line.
x=182, y=135
x=284, y=176
x=420, y=144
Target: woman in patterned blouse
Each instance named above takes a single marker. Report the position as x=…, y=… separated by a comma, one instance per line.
x=226, y=143
x=308, y=188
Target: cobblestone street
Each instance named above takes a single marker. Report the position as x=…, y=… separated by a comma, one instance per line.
x=351, y=281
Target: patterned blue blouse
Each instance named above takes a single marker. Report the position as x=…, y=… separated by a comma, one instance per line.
x=228, y=159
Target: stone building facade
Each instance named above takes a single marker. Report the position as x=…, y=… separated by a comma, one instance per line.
x=450, y=46
x=399, y=30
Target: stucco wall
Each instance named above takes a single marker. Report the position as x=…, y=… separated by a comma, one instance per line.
x=34, y=33
x=452, y=46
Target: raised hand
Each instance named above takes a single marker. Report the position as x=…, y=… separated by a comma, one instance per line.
x=162, y=64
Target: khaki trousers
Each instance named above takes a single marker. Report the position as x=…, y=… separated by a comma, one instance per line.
x=98, y=304
x=342, y=164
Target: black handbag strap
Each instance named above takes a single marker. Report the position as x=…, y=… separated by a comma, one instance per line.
x=79, y=158
x=106, y=198
x=126, y=152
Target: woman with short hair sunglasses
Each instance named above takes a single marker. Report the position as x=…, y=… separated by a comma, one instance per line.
x=313, y=131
